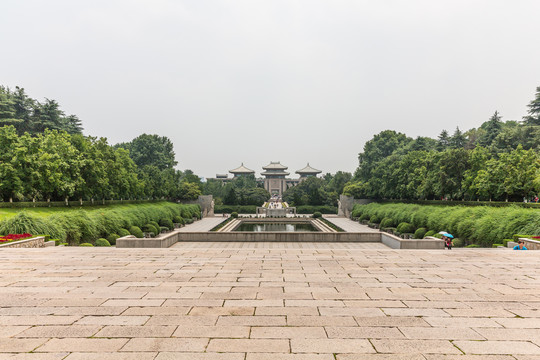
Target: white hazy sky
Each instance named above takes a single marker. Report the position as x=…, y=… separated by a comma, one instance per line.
x=258, y=81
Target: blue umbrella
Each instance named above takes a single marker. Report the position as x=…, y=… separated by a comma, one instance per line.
x=449, y=235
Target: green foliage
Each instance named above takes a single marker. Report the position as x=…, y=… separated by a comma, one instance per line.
x=149, y=228
x=136, y=231
x=420, y=233
x=458, y=242
x=112, y=238
x=86, y=244
x=323, y=209
x=102, y=242
x=481, y=225
x=317, y=215
x=178, y=220
x=374, y=219
x=405, y=228
x=473, y=246
x=166, y=222
x=241, y=209
x=387, y=223
x=123, y=232
x=234, y=214
x=25, y=223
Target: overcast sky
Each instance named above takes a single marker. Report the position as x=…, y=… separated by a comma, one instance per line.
x=258, y=81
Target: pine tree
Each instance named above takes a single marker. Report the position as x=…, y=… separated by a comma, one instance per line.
x=534, y=110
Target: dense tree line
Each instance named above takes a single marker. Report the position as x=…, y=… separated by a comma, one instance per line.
x=55, y=165
x=241, y=190
x=316, y=191
x=498, y=161
x=28, y=115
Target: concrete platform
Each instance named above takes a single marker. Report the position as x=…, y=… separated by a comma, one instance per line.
x=249, y=301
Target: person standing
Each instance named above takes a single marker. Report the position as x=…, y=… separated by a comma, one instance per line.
x=520, y=246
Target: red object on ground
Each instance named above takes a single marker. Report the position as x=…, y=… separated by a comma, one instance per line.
x=11, y=237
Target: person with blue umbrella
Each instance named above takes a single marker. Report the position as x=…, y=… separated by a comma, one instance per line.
x=447, y=238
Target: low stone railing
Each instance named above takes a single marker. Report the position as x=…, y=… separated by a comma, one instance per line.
x=35, y=242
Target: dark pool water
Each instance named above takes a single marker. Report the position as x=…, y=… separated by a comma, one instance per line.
x=270, y=227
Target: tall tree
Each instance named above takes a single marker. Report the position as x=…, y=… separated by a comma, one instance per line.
x=492, y=128
x=533, y=117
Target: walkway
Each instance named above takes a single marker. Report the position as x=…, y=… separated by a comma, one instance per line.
x=202, y=302
x=349, y=225
x=205, y=224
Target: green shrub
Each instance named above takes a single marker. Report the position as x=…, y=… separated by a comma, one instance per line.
x=86, y=244
x=516, y=237
x=317, y=215
x=112, y=238
x=473, y=246
x=234, y=214
x=149, y=228
x=405, y=228
x=458, y=242
x=123, y=232
x=164, y=228
x=178, y=220
x=420, y=233
x=23, y=222
x=63, y=244
x=364, y=217
x=429, y=233
x=505, y=242
x=309, y=209
x=155, y=225
x=387, y=222
x=186, y=214
x=189, y=221
x=136, y=231
x=374, y=219
x=102, y=242
x=496, y=245
x=167, y=223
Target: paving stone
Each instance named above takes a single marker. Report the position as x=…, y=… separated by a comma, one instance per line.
x=377, y=332
x=390, y=321
x=415, y=346
x=288, y=333
x=272, y=356
x=221, y=310
x=380, y=357
x=212, y=331
x=35, y=356
x=252, y=320
x=135, y=331
x=60, y=331
x=82, y=345
x=38, y=320
x=113, y=320
x=9, y=331
x=331, y=346
x=184, y=320
x=199, y=356
x=437, y=333
x=249, y=345
x=166, y=344
x=19, y=345
x=295, y=320
x=498, y=347
x=111, y=356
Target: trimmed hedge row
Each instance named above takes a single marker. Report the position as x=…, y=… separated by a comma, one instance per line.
x=73, y=203
x=309, y=209
x=76, y=226
x=481, y=225
x=241, y=209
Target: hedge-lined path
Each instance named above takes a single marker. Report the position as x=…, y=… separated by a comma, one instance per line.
x=265, y=303
x=205, y=224
x=348, y=225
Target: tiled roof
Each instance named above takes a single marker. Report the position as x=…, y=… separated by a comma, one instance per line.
x=242, y=170
x=308, y=170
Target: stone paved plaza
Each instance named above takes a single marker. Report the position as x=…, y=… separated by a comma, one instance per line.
x=277, y=301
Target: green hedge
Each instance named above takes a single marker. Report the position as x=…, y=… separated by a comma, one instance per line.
x=241, y=209
x=481, y=225
x=323, y=209
x=72, y=204
x=88, y=225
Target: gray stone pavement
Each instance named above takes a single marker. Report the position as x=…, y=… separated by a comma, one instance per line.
x=319, y=301
x=348, y=225
x=205, y=224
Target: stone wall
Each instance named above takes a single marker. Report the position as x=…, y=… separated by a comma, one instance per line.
x=36, y=242
x=346, y=204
